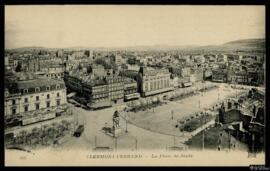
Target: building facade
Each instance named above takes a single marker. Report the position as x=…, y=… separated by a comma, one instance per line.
x=34, y=100
x=115, y=88
x=96, y=93
x=130, y=89
x=153, y=81
x=54, y=71
x=219, y=75
x=97, y=70
x=96, y=89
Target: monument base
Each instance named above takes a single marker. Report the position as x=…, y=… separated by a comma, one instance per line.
x=117, y=132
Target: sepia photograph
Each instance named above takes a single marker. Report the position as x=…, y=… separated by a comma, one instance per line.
x=134, y=85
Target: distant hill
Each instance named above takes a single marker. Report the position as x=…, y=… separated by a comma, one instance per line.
x=257, y=45
x=237, y=45
x=247, y=42
x=28, y=49
x=252, y=44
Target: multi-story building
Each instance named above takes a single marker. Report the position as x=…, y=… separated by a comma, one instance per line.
x=133, y=74
x=7, y=61
x=180, y=71
x=240, y=77
x=175, y=80
x=154, y=81
x=221, y=58
x=96, y=93
x=73, y=81
x=13, y=62
x=59, y=53
x=33, y=65
x=97, y=70
x=232, y=57
x=54, y=71
x=175, y=70
x=115, y=88
x=130, y=89
x=219, y=75
x=199, y=58
x=207, y=73
x=185, y=71
x=197, y=75
x=32, y=99
x=78, y=54
x=70, y=65
x=117, y=59
x=89, y=86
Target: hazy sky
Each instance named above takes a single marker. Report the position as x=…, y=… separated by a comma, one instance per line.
x=107, y=26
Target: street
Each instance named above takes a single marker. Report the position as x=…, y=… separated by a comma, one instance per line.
x=161, y=119
x=94, y=137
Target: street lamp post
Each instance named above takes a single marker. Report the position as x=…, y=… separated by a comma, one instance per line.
x=136, y=144
x=74, y=123
x=202, y=132
x=95, y=141
x=229, y=141
x=115, y=143
x=126, y=119
x=126, y=124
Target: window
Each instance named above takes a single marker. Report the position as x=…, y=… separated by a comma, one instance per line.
x=37, y=106
x=25, y=91
x=37, y=98
x=58, y=102
x=48, y=104
x=37, y=89
x=25, y=108
x=57, y=86
x=58, y=94
x=25, y=100
x=48, y=88
x=13, y=102
x=48, y=96
x=13, y=111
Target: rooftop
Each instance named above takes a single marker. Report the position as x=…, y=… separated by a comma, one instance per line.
x=39, y=82
x=129, y=80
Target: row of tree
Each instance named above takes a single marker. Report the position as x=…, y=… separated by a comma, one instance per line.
x=45, y=135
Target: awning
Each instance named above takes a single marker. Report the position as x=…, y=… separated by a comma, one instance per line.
x=99, y=104
x=187, y=84
x=71, y=94
x=132, y=96
x=58, y=110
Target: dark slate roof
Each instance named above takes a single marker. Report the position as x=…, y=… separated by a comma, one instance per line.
x=41, y=83
x=129, y=80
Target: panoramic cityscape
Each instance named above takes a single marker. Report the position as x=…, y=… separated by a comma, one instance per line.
x=131, y=97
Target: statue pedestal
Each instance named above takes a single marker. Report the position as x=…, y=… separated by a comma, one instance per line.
x=117, y=132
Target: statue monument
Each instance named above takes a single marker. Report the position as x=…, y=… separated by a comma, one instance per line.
x=116, y=126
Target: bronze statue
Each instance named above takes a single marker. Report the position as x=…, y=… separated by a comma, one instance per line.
x=116, y=119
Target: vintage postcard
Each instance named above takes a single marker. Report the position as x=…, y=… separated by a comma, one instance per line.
x=131, y=85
